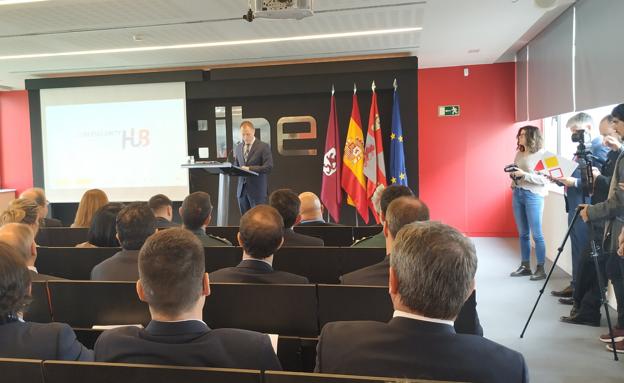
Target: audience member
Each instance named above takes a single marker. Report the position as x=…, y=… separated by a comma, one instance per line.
x=388, y=195
x=432, y=271
x=90, y=202
x=260, y=235
x=162, y=207
x=24, y=211
x=311, y=210
x=286, y=202
x=21, y=237
x=19, y=339
x=174, y=284
x=38, y=195
x=102, y=232
x=135, y=223
x=196, y=213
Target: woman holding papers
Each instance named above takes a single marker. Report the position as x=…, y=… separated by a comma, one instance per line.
x=529, y=190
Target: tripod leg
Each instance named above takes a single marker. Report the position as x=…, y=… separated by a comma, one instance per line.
x=559, y=251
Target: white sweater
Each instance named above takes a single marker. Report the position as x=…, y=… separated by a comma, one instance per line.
x=532, y=181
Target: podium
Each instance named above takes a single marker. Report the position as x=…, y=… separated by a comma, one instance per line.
x=225, y=170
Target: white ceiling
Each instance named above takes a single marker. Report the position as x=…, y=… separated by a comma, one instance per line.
x=451, y=28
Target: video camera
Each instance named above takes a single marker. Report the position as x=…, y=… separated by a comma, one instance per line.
x=584, y=159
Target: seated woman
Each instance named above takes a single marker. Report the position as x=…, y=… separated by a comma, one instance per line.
x=103, y=232
x=20, y=339
x=91, y=201
x=22, y=210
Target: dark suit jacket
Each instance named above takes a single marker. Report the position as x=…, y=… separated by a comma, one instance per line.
x=41, y=341
x=250, y=271
x=412, y=348
x=467, y=321
x=574, y=194
x=260, y=161
x=318, y=223
x=292, y=239
x=209, y=240
x=163, y=223
x=123, y=266
x=187, y=343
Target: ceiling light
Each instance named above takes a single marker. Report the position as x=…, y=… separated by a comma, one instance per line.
x=215, y=44
x=10, y=2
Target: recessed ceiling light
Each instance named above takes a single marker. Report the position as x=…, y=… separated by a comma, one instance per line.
x=215, y=44
x=9, y=2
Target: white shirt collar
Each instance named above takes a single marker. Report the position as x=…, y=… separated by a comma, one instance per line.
x=399, y=313
x=252, y=142
x=182, y=320
x=33, y=268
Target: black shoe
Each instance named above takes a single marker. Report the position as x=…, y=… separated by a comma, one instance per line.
x=565, y=293
x=566, y=301
x=539, y=273
x=522, y=271
x=578, y=319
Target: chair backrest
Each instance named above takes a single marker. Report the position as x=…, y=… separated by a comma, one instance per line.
x=21, y=370
x=227, y=232
x=61, y=236
x=275, y=309
x=365, y=231
x=307, y=377
x=71, y=262
x=331, y=235
x=93, y=372
x=88, y=303
x=345, y=303
x=222, y=257
x=39, y=308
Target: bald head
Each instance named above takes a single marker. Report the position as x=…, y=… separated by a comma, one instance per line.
x=261, y=231
x=310, y=208
x=403, y=211
x=21, y=238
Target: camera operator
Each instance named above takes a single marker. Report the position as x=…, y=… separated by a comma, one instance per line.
x=580, y=126
x=612, y=210
x=586, y=299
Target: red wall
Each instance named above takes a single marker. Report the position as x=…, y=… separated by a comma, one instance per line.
x=15, y=149
x=462, y=158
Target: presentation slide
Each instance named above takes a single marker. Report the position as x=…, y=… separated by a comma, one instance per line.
x=127, y=140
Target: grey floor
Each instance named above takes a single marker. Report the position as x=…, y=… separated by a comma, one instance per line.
x=554, y=351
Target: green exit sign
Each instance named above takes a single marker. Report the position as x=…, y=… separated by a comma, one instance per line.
x=448, y=110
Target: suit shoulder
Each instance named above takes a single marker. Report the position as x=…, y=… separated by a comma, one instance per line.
x=289, y=278
x=221, y=240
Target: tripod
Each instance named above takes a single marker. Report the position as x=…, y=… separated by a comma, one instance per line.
x=602, y=288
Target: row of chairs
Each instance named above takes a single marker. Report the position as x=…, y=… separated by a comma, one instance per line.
x=331, y=235
x=318, y=264
x=39, y=371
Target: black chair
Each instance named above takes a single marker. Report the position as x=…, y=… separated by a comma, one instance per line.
x=297, y=354
x=222, y=257
x=71, y=262
x=61, y=236
x=87, y=303
x=227, y=232
x=303, y=377
x=39, y=308
x=331, y=235
x=93, y=372
x=275, y=309
x=366, y=231
x=21, y=370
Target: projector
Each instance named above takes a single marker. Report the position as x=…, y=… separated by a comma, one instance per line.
x=279, y=9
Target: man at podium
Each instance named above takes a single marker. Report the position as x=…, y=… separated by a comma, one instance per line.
x=255, y=155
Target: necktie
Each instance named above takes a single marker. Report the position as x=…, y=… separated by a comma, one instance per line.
x=246, y=152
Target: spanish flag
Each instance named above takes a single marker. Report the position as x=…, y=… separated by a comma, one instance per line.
x=353, y=181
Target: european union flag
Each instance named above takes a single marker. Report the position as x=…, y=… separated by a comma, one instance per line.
x=398, y=173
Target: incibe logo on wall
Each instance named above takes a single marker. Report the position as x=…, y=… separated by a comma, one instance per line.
x=138, y=138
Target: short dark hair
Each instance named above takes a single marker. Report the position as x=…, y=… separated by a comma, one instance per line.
x=171, y=270
x=618, y=112
x=403, y=211
x=196, y=208
x=102, y=230
x=391, y=193
x=287, y=203
x=135, y=223
x=261, y=231
x=14, y=282
x=159, y=201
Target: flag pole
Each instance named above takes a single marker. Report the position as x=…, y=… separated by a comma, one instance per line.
x=394, y=84
x=357, y=222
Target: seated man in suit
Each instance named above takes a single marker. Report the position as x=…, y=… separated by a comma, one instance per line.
x=388, y=195
x=174, y=283
x=38, y=195
x=432, y=272
x=19, y=339
x=162, y=207
x=135, y=223
x=196, y=213
x=260, y=235
x=286, y=202
x=311, y=211
x=21, y=238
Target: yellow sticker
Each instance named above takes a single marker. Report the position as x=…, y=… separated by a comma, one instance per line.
x=551, y=162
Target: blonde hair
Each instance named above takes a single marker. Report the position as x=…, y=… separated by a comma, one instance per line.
x=20, y=237
x=91, y=201
x=21, y=210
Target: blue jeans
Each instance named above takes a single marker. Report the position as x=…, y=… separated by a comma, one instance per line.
x=528, y=208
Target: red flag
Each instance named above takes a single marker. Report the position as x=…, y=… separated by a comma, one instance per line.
x=353, y=180
x=374, y=164
x=331, y=194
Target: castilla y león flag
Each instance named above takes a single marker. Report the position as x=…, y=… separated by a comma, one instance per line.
x=331, y=194
x=374, y=165
x=353, y=181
